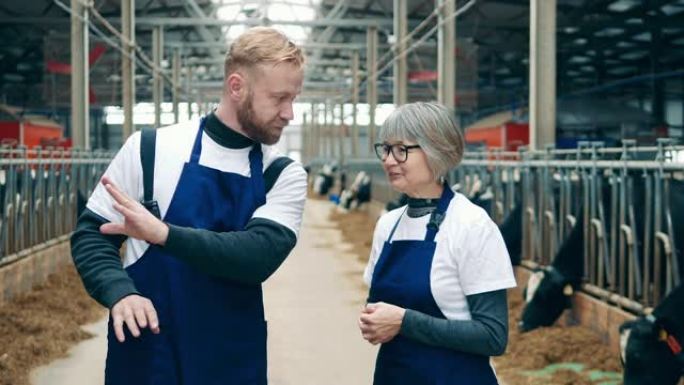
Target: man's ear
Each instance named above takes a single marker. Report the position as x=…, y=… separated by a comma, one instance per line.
x=236, y=86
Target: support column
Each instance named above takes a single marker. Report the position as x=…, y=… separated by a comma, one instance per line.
x=314, y=133
x=371, y=82
x=341, y=135
x=128, y=66
x=318, y=144
x=400, y=73
x=199, y=97
x=542, y=73
x=326, y=148
x=446, y=54
x=305, y=136
x=176, y=84
x=658, y=99
x=330, y=129
x=158, y=91
x=80, y=103
x=354, y=103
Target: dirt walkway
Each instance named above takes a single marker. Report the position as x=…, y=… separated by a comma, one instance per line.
x=312, y=304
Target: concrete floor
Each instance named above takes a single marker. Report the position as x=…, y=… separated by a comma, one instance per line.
x=84, y=365
x=312, y=304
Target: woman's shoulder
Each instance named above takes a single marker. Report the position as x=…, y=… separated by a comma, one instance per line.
x=462, y=211
x=389, y=218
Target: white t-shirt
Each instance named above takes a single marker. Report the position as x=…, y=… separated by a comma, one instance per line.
x=470, y=253
x=284, y=202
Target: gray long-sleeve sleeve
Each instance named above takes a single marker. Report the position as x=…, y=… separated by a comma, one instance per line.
x=485, y=334
x=249, y=256
x=97, y=260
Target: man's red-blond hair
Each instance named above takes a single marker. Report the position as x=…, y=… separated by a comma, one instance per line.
x=261, y=45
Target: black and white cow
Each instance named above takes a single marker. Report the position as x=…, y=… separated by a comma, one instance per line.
x=511, y=230
x=651, y=346
x=324, y=180
x=483, y=198
x=357, y=194
x=549, y=289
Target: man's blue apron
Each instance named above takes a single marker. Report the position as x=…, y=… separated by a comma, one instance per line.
x=402, y=278
x=212, y=330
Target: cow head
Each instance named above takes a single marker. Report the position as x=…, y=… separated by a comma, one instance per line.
x=484, y=199
x=357, y=194
x=346, y=200
x=547, y=294
x=324, y=180
x=646, y=356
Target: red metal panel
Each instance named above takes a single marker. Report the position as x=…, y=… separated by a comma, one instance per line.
x=490, y=136
x=422, y=76
x=34, y=134
x=9, y=132
x=518, y=134
x=38, y=135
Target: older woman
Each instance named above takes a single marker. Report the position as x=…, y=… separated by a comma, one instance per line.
x=438, y=269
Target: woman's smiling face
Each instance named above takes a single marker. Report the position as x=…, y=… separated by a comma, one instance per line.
x=412, y=174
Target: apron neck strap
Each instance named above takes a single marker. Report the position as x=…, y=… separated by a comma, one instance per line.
x=197, y=147
x=437, y=216
x=389, y=239
x=256, y=168
x=256, y=162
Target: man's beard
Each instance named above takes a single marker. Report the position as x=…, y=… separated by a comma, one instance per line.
x=255, y=129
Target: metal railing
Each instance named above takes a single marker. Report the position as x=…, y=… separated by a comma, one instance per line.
x=40, y=194
x=624, y=195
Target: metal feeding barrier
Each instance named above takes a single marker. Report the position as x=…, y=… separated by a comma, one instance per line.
x=630, y=199
x=40, y=194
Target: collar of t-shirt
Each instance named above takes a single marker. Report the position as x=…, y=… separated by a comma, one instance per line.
x=224, y=135
x=419, y=207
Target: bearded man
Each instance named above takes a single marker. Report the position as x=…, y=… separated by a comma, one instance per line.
x=212, y=216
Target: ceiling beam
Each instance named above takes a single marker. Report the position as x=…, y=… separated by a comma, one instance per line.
x=198, y=21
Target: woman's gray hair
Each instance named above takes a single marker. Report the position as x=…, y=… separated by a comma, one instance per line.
x=432, y=126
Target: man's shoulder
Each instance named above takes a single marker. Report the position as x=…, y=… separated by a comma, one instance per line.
x=271, y=153
x=166, y=136
x=177, y=139
x=179, y=130
x=274, y=158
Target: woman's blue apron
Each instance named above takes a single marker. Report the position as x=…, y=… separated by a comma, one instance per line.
x=212, y=330
x=402, y=278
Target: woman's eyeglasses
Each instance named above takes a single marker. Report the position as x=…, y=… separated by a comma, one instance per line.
x=399, y=151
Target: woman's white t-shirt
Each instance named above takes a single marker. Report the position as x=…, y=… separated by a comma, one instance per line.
x=470, y=253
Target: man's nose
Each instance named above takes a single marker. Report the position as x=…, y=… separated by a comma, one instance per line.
x=287, y=112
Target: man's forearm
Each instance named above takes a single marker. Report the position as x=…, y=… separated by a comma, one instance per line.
x=249, y=256
x=98, y=262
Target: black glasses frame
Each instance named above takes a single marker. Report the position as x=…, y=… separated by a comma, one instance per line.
x=399, y=151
